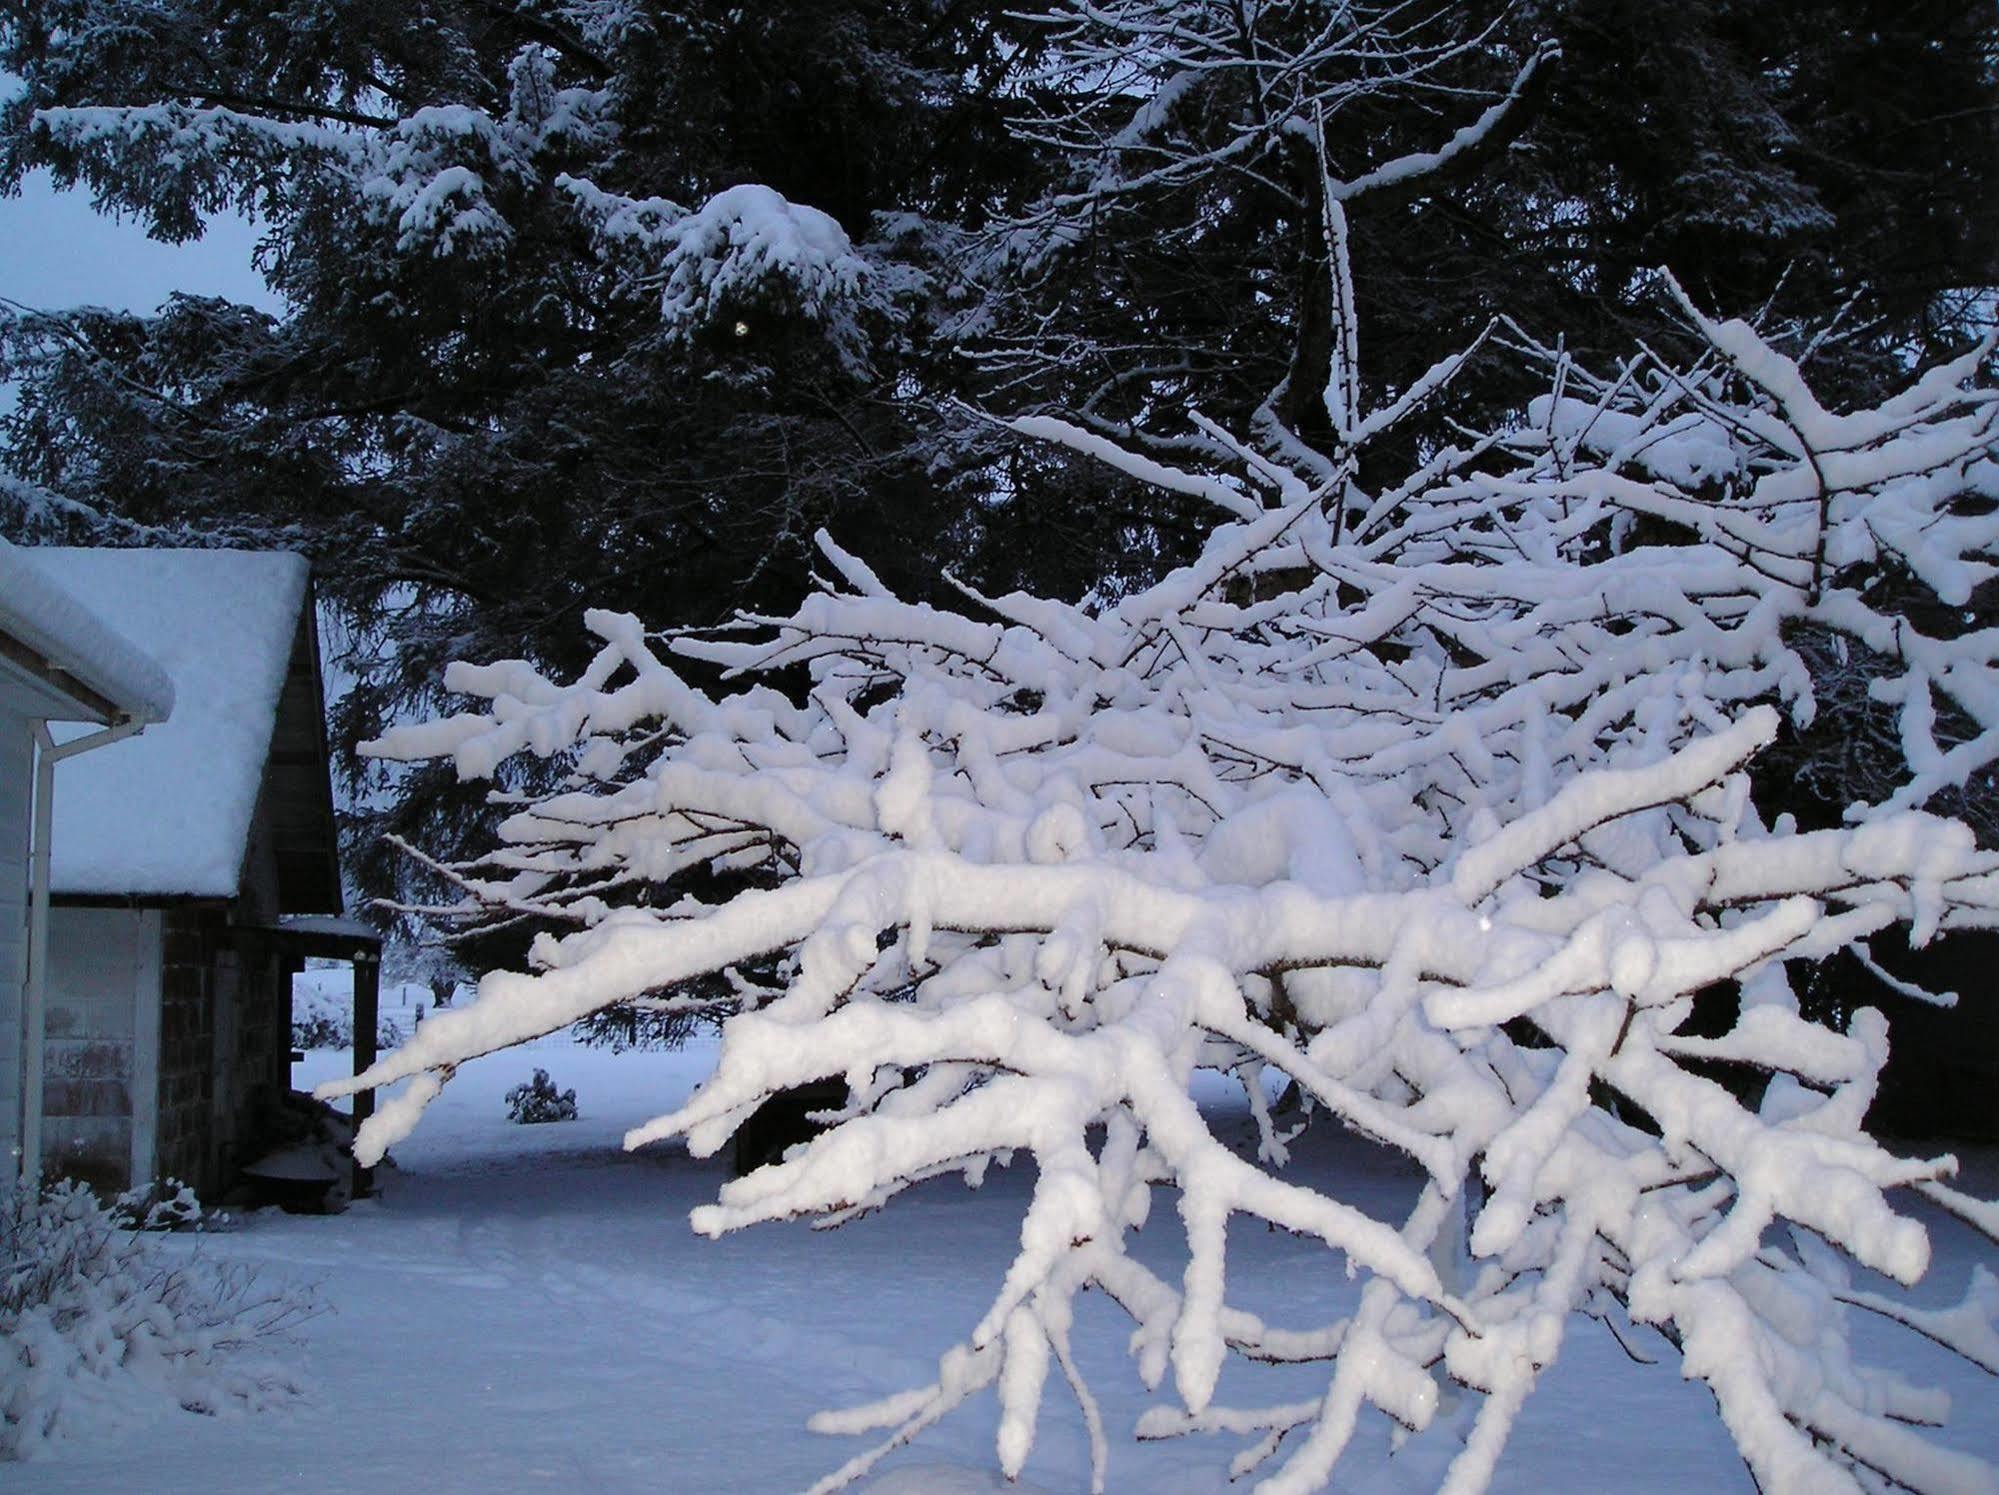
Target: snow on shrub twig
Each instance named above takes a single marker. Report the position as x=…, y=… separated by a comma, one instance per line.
x=95, y=1325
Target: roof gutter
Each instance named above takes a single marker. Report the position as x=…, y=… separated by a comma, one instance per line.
x=34, y=1038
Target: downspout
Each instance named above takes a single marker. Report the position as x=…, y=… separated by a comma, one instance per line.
x=48, y=753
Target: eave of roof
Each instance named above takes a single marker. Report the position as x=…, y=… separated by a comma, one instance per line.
x=61, y=645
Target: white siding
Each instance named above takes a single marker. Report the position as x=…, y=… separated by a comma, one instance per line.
x=16, y=788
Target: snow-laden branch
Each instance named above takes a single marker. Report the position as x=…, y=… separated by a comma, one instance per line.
x=1445, y=817
x=453, y=180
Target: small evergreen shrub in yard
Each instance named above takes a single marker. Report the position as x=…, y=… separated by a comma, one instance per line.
x=97, y=1323
x=164, y=1204
x=539, y=1100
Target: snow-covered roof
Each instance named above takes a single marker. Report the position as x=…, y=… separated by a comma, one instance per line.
x=75, y=640
x=168, y=812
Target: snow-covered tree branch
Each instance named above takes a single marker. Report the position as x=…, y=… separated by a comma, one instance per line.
x=1429, y=799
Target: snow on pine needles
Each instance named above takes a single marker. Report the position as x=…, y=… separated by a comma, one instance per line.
x=1432, y=802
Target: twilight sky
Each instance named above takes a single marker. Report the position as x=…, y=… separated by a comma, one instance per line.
x=56, y=252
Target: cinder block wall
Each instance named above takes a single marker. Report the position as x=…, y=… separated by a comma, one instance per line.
x=184, y=1147
x=225, y=1045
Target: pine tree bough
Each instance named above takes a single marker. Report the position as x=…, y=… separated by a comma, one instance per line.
x=1435, y=799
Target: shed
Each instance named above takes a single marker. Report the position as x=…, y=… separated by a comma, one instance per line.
x=176, y=857
x=59, y=663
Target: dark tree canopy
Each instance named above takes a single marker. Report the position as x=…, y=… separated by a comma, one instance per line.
x=1815, y=165
x=1823, y=160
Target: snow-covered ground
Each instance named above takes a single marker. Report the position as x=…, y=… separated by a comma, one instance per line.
x=525, y=1308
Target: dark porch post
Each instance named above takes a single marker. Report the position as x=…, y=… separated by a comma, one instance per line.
x=367, y=1011
x=289, y=965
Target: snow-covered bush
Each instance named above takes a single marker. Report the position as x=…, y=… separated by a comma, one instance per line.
x=164, y=1204
x=325, y=1020
x=538, y=1100
x=1429, y=798
x=97, y=1326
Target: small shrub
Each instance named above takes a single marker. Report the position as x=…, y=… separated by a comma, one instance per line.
x=164, y=1204
x=321, y=1030
x=323, y=1022
x=539, y=1100
x=96, y=1323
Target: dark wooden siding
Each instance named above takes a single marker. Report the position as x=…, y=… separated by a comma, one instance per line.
x=297, y=787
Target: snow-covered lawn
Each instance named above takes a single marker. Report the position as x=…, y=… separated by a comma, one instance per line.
x=525, y=1308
